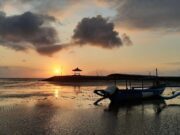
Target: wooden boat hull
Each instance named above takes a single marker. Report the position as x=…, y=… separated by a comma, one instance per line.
x=134, y=95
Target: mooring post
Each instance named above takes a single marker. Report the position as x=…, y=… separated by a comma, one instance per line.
x=130, y=84
x=126, y=85
x=142, y=84
x=115, y=82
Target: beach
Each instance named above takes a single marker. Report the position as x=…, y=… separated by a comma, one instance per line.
x=32, y=107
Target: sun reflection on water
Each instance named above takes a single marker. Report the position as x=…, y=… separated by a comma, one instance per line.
x=56, y=93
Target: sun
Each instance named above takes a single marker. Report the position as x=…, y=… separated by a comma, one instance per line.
x=57, y=71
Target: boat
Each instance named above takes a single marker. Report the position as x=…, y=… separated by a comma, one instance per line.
x=134, y=94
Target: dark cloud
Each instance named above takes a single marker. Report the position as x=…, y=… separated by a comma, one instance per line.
x=34, y=31
x=50, y=50
x=148, y=14
x=29, y=31
x=97, y=31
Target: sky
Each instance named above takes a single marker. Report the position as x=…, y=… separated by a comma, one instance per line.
x=43, y=38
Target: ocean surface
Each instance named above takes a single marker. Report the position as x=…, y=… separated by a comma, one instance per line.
x=32, y=107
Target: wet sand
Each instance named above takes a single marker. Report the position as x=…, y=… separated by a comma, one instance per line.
x=48, y=109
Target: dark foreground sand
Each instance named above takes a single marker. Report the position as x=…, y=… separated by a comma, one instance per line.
x=57, y=111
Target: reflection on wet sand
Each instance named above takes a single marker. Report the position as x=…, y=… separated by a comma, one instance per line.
x=26, y=95
x=158, y=106
x=147, y=117
x=27, y=120
x=53, y=109
x=56, y=93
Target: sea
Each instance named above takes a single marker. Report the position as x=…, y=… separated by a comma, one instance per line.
x=35, y=107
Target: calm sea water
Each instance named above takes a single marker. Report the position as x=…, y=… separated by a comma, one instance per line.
x=32, y=107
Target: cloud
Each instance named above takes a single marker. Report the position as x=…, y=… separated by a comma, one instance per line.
x=126, y=39
x=176, y=63
x=29, y=31
x=97, y=31
x=19, y=71
x=50, y=50
x=47, y=5
x=148, y=14
x=34, y=31
x=61, y=9
x=53, y=7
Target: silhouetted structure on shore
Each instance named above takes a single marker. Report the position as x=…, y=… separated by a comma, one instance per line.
x=77, y=71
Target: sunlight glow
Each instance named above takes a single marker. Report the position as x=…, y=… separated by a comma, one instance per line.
x=57, y=71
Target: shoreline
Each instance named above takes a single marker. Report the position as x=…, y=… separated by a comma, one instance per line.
x=110, y=77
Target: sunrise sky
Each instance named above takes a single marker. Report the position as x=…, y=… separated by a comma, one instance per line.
x=42, y=38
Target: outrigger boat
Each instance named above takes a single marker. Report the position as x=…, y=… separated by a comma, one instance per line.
x=132, y=94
